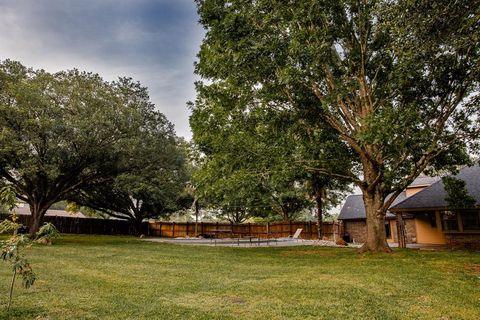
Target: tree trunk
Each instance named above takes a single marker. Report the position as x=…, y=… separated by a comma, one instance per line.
x=37, y=211
x=196, y=216
x=137, y=225
x=319, y=200
x=376, y=234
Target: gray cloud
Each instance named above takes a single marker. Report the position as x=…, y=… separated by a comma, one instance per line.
x=154, y=42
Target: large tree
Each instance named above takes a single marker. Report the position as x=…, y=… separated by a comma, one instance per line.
x=253, y=162
x=154, y=184
x=65, y=132
x=398, y=81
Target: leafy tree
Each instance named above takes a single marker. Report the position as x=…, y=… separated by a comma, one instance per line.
x=254, y=162
x=243, y=172
x=154, y=189
x=11, y=249
x=457, y=196
x=397, y=81
x=327, y=193
x=65, y=132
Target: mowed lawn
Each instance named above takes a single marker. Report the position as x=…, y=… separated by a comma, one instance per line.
x=101, y=277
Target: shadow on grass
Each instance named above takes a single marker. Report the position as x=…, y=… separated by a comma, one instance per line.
x=21, y=312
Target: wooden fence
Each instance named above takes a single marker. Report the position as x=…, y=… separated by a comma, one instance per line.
x=228, y=230
x=84, y=225
x=186, y=229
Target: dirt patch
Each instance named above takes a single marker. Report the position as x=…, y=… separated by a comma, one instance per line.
x=238, y=300
x=301, y=253
x=472, y=268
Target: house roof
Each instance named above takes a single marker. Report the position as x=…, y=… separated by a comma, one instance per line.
x=434, y=195
x=355, y=209
x=25, y=210
x=423, y=181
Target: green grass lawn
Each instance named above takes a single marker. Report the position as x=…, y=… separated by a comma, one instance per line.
x=100, y=277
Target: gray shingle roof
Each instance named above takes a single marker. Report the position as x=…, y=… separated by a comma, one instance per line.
x=434, y=195
x=355, y=209
x=424, y=181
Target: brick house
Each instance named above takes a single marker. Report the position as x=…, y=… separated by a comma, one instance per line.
x=420, y=215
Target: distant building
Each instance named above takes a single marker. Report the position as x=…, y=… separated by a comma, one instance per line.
x=24, y=209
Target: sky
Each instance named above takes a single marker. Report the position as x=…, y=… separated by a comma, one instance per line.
x=152, y=41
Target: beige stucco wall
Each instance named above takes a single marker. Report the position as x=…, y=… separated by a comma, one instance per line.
x=412, y=190
x=428, y=234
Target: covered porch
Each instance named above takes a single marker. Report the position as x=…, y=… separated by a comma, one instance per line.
x=440, y=226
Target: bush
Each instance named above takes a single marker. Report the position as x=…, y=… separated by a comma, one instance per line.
x=47, y=234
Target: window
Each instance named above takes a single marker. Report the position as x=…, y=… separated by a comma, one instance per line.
x=388, y=230
x=450, y=221
x=471, y=219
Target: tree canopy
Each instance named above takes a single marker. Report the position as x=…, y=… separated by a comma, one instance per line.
x=70, y=131
x=397, y=81
x=252, y=164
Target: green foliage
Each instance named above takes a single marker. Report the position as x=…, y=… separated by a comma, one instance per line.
x=12, y=248
x=47, y=233
x=12, y=252
x=8, y=199
x=457, y=194
x=69, y=132
x=154, y=189
x=397, y=82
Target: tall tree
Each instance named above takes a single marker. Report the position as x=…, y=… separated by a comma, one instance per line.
x=154, y=183
x=154, y=189
x=239, y=172
x=64, y=132
x=398, y=81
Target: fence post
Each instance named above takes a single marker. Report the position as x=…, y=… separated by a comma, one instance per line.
x=173, y=229
x=290, y=227
x=186, y=235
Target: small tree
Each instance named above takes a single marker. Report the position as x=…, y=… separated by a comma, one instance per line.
x=12, y=248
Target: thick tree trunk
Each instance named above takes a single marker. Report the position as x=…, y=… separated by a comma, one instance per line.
x=319, y=201
x=37, y=211
x=376, y=234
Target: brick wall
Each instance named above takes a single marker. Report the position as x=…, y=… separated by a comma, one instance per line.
x=357, y=230
x=463, y=240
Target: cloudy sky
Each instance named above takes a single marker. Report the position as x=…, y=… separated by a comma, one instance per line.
x=153, y=41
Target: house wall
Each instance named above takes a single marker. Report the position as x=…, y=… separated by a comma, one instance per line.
x=357, y=230
x=428, y=234
x=463, y=240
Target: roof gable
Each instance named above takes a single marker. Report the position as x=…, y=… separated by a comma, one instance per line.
x=434, y=195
